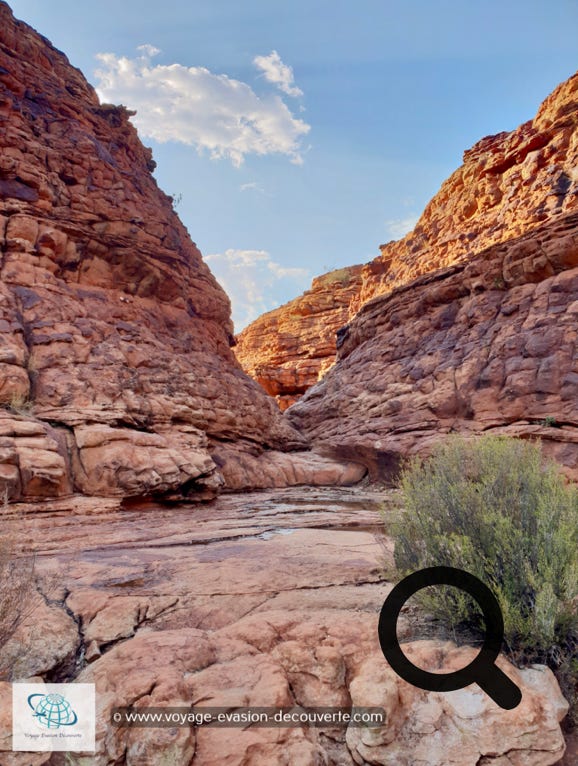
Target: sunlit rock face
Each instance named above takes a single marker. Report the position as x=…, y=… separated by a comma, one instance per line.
x=116, y=373
x=486, y=345
x=287, y=350
x=508, y=185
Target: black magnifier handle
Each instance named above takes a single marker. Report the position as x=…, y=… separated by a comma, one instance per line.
x=499, y=687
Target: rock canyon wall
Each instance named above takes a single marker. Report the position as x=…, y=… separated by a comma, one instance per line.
x=490, y=344
x=288, y=349
x=508, y=185
x=467, y=324
x=116, y=374
x=117, y=380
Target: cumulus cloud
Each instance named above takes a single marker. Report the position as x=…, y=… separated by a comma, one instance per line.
x=399, y=227
x=278, y=73
x=194, y=106
x=253, y=280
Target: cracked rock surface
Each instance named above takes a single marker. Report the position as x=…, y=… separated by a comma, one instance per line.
x=485, y=346
x=262, y=599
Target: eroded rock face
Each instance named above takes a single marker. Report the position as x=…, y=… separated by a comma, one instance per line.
x=287, y=350
x=462, y=727
x=508, y=185
x=116, y=374
x=486, y=345
x=275, y=661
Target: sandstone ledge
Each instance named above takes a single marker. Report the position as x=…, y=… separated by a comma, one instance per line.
x=268, y=598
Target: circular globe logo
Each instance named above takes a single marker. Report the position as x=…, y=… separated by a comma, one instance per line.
x=51, y=711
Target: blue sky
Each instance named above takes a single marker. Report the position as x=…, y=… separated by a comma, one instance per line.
x=302, y=135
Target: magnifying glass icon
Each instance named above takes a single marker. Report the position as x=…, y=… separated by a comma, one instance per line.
x=482, y=670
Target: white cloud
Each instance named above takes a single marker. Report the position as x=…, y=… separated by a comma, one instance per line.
x=256, y=188
x=193, y=106
x=252, y=280
x=399, y=227
x=149, y=50
x=278, y=73
x=252, y=186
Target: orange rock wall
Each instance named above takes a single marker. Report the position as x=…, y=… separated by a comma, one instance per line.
x=287, y=350
x=490, y=344
x=508, y=184
x=116, y=374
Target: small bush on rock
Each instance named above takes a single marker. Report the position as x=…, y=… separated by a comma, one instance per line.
x=491, y=506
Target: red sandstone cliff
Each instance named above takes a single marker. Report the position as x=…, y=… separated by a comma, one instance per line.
x=288, y=349
x=490, y=344
x=116, y=374
x=508, y=185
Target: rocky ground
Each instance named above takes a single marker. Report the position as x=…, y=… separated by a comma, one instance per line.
x=266, y=598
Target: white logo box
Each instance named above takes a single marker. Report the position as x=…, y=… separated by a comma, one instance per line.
x=49, y=717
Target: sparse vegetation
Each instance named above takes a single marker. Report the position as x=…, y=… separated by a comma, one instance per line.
x=493, y=508
x=20, y=404
x=550, y=422
x=499, y=283
x=333, y=277
x=176, y=199
x=32, y=363
x=17, y=578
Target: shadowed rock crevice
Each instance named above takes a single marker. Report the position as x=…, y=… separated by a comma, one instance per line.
x=70, y=666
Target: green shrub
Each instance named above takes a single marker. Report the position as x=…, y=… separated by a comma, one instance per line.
x=550, y=422
x=491, y=506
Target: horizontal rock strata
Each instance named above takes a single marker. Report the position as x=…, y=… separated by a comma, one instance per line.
x=488, y=345
x=509, y=184
x=287, y=350
x=116, y=374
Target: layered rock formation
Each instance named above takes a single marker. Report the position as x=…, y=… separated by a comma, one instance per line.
x=490, y=344
x=117, y=379
x=290, y=348
x=509, y=184
x=467, y=324
x=116, y=374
